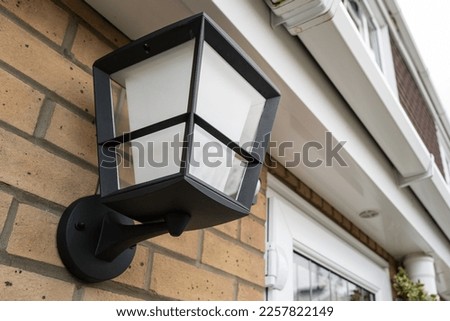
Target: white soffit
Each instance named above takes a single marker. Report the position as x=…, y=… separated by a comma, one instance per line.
x=336, y=46
x=136, y=18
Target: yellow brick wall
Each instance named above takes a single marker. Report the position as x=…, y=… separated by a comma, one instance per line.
x=48, y=159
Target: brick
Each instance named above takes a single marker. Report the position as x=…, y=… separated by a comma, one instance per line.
x=263, y=178
x=304, y=191
x=135, y=275
x=16, y=284
x=363, y=238
x=5, y=203
x=38, y=61
x=178, y=280
x=327, y=209
x=37, y=171
x=291, y=180
x=74, y=134
x=259, y=209
x=355, y=231
x=269, y=162
x=44, y=16
x=232, y=258
x=253, y=233
x=380, y=251
x=33, y=235
x=393, y=264
x=97, y=21
x=346, y=224
x=338, y=217
x=20, y=103
x=316, y=200
x=87, y=47
x=186, y=244
x=250, y=293
x=230, y=228
x=278, y=170
x=415, y=105
x=93, y=294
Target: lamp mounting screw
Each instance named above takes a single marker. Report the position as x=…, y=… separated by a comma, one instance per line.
x=80, y=226
x=147, y=48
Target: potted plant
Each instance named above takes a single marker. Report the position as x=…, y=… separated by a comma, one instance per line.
x=408, y=290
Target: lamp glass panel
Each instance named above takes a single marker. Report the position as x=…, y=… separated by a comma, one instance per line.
x=150, y=157
x=120, y=109
x=215, y=164
x=152, y=90
x=227, y=101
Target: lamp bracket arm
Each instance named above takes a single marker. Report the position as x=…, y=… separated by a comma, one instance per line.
x=115, y=237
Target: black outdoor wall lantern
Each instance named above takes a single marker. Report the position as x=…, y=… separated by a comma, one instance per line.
x=183, y=121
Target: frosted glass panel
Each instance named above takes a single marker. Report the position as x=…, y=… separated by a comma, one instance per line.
x=215, y=164
x=153, y=90
x=226, y=100
x=120, y=109
x=150, y=157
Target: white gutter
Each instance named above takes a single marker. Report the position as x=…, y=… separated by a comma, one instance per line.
x=300, y=15
x=337, y=47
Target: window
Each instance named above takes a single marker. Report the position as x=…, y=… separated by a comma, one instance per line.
x=369, y=21
x=367, y=26
x=444, y=151
x=309, y=257
x=314, y=282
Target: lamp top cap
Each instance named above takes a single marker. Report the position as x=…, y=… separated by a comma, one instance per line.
x=199, y=26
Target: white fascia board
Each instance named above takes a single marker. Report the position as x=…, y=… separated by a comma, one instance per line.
x=434, y=194
x=345, y=59
x=342, y=55
x=402, y=36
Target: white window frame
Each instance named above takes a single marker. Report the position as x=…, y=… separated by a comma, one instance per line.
x=362, y=24
x=383, y=57
x=295, y=225
x=444, y=153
